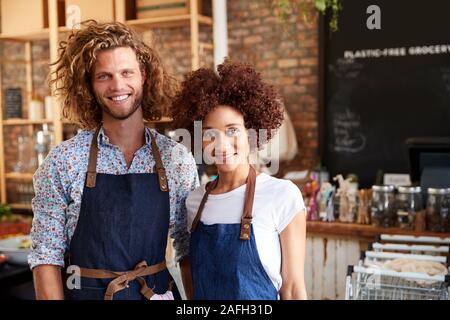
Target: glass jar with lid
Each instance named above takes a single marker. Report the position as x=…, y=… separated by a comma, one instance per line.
x=437, y=214
x=408, y=204
x=383, y=213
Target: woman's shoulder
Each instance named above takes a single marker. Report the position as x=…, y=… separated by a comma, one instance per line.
x=195, y=196
x=280, y=200
x=278, y=186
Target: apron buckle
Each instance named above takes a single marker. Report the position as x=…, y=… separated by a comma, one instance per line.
x=91, y=179
x=245, y=228
x=162, y=179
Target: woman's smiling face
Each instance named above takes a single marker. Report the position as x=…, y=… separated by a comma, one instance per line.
x=225, y=139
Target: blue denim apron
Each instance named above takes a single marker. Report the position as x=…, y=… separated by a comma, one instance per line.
x=225, y=264
x=123, y=226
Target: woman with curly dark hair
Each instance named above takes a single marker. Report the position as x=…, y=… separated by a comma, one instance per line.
x=247, y=228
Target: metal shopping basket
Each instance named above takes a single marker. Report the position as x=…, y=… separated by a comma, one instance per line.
x=376, y=258
x=371, y=283
x=410, y=248
x=413, y=239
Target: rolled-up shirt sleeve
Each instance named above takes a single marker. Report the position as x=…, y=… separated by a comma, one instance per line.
x=187, y=181
x=49, y=206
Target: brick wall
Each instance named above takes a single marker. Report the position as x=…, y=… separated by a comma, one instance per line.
x=14, y=75
x=174, y=47
x=287, y=56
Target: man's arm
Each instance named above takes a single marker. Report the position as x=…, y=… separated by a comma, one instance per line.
x=187, y=181
x=186, y=276
x=48, y=282
x=48, y=233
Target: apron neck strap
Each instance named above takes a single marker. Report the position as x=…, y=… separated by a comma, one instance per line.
x=92, y=165
x=209, y=186
x=246, y=219
x=159, y=165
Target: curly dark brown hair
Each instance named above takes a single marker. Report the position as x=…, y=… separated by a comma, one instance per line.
x=237, y=85
x=71, y=77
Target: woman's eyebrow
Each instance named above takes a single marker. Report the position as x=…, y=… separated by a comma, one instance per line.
x=233, y=124
x=228, y=125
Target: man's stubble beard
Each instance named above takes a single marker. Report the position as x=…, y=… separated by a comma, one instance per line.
x=137, y=103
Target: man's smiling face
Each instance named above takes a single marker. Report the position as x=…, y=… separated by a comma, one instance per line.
x=117, y=82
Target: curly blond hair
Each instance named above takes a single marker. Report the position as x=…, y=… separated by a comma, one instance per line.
x=72, y=74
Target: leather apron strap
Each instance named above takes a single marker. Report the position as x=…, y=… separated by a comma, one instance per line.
x=246, y=219
x=122, y=278
x=92, y=165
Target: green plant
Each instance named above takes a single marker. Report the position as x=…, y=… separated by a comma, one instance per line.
x=5, y=211
x=335, y=6
x=303, y=7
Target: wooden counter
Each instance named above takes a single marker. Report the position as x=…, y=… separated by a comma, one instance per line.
x=361, y=231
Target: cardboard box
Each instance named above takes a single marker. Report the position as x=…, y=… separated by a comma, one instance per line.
x=22, y=16
x=16, y=17
x=162, y=8
x=99, y=10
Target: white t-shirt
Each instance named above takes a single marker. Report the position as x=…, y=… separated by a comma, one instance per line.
x=276, y=203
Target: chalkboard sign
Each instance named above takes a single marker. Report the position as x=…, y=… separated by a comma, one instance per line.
x=383, y=86
x=13, y=103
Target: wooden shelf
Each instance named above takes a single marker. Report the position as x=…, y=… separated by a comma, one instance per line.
x=23, y=61
x=167, y=22
x=20, y=206
x=19, y=176
x=54, y=35
x=157, y=22
x=25, y=122
x=163, y=119
x=42, y=34
x=361, y=230
x=206, y=46
x=30, y=36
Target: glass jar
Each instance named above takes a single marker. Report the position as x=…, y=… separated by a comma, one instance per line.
x=26, y=156
x=445, y=212
x=437, y=209
x=383, y=213
x=409, y=202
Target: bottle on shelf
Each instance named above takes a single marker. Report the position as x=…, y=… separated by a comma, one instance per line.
x=44, y=142
x=36, y=109
x=26, y=159
x=48, y=106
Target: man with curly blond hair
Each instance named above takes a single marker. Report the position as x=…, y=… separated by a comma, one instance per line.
x=107, y=199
